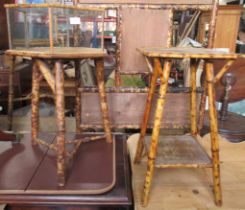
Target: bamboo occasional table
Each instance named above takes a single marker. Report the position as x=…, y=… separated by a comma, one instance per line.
x=55, y=81
x=166, y=56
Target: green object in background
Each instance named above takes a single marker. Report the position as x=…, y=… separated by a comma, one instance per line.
x=127, y=81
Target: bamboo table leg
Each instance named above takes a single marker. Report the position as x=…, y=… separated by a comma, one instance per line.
x=193, y=98
x=11, y=94
x=155, y=132
x=214, y=134
x=60, y=109
x=99, y=63
x=140, y=146
x=35, y=103
x=78, y=95
x=202, y=106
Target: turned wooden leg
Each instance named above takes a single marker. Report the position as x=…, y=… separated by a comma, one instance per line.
x=140, y=146
x=99, y=63
x=155, y=132
x=193, y=98
x=78, y=95
x=60, y=109
x=11, y=94
x=35, y=103
x=214, y=134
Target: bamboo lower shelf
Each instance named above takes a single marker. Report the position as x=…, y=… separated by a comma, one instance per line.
x=182, y=151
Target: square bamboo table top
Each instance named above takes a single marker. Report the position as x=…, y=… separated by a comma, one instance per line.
x=179, y=53
x=58, y=52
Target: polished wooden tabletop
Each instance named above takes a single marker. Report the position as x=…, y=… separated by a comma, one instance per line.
x=58, y=52
x=187, y=52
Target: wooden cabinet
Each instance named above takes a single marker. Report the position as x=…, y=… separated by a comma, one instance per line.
x=3, y=25
x=227, y=26
x=4, y=81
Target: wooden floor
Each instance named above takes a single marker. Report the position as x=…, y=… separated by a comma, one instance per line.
x=191, y=189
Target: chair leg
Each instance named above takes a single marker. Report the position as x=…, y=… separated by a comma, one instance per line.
x=193, y=98
x=214, y=134
x=140, y=145
x=78, y=96
x=35, y=103
x=99, y=63
x=155, y=132
x=11, y=94
x=60, y=109
x=202, y=107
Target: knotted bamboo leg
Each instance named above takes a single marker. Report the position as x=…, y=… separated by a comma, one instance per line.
x=214, y=134
x=78, y=95
x=35, y=103
x=118, y=47
x=202, y=106
x=193, y=98
x=99, y=63
x=11, y=94
x=140, y=146
x=60, y=109
x=155, y=132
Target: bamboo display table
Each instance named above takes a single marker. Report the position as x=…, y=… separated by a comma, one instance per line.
x=180, y=151
x=55, y=80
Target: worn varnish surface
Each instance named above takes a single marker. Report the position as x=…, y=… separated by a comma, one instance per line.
x=58, y=52
x=127, y=109
x=179, y=150
x=202, y=53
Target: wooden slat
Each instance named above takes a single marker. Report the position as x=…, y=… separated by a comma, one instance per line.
x=128, y=109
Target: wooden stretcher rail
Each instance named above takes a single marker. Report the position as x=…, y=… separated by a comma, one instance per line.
x=182, y=7
x=175, y=2
x=185, y=127
x=138, y=90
